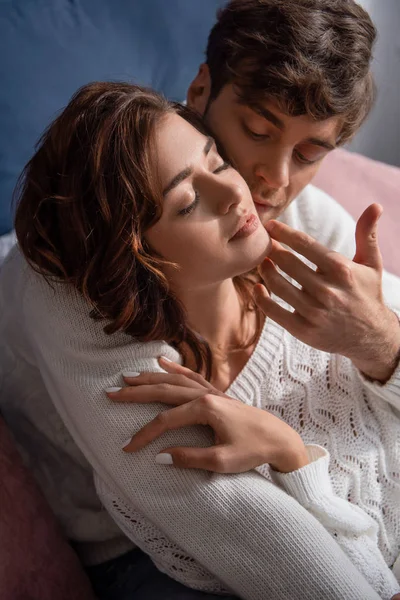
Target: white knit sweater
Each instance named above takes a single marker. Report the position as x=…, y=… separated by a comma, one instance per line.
x=240, y=533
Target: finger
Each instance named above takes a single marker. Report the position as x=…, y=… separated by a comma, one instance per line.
x=290, y=321
x=302, y=302
x=367, y=247
x=209, y=459
x=175, y=379
x=300, y=242
x=159, y=392
x=295, y=268
x=174, y=418
x=172, y=367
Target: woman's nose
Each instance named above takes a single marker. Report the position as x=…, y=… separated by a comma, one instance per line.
x=229, y=196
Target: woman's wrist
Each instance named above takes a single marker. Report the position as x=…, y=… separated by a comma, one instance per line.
x=292, y=459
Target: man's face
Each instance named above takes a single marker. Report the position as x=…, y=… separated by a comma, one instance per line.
x=276, y=154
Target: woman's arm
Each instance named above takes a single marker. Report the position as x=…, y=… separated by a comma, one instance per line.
x=301, y=471
x=352, y=528
x=244, y=530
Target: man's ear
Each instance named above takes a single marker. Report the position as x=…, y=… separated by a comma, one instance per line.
x=199, y=90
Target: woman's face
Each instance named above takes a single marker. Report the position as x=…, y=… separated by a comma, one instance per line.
x=209, y=225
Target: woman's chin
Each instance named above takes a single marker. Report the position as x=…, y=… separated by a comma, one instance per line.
x=261, y=249
x=253, y=255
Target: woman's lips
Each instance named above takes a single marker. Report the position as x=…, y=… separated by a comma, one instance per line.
x=248, y=228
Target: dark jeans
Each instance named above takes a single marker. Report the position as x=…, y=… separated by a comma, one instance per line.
x=133, y=576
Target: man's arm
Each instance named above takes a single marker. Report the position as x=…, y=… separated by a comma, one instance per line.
x=244, y=530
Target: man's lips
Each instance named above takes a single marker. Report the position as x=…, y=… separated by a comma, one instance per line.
x=262, y=207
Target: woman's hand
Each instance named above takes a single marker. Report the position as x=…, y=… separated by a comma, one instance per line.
x=246, y=437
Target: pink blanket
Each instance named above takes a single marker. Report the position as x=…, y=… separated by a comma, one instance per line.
x=356, y=182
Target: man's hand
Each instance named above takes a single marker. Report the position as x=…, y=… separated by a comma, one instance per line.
x=340, y=307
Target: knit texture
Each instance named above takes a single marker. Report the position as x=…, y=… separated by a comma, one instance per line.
x=240, y=533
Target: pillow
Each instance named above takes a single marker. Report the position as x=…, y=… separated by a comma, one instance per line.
x=6, y=243
x=52, y=47
x=356, y=182
x=36, y=562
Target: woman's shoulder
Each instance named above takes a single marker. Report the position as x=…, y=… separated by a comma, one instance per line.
x=55, y=314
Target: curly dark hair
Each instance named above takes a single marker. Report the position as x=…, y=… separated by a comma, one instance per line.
x=86, y=199
x=312, y=57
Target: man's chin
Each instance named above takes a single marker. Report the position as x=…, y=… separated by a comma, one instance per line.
x=266, y=212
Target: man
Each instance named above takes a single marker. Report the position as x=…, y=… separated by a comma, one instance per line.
x=284, y=83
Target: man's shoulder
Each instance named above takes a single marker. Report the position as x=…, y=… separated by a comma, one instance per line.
x=312, y=206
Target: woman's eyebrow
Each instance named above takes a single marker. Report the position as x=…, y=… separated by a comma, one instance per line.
x=189, y=170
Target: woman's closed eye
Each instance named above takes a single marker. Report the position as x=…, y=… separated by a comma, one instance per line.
x=189, y=209
x=225, y=165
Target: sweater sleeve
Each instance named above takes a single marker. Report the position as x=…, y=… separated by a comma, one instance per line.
x=249, y=534
x=389, y=391
x=354, y=530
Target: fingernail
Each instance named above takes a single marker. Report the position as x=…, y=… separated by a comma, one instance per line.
x=164, y=459
x=165, y=358
x=130, y=374
x=269, y=225
x=113, y=389
x=126, y=443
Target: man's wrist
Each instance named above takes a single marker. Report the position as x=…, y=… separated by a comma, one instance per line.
x=385, y=361
x=380, y=372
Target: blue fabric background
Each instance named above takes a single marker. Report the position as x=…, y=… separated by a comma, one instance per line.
x=49, y=48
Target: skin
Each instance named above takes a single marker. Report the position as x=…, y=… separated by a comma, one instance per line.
x=206, y=205
x=278, y=155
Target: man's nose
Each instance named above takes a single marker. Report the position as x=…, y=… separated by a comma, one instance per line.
x=274, y=173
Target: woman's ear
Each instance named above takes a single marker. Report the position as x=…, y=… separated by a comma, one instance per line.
x=199, y=90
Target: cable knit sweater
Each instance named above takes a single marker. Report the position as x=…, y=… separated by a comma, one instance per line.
x=329, y=530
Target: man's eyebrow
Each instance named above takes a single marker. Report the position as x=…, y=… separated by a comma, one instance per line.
x=322, y=143
x=265, y=113
x=189, y=170
x=272, y=118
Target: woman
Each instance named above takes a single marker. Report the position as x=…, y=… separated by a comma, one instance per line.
x=137, y=231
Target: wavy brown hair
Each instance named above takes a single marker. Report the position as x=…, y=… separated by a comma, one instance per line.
x=312, y=57
x=85, y=201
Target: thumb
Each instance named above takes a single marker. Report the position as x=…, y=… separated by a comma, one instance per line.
x=190, y=458
x=367, y=248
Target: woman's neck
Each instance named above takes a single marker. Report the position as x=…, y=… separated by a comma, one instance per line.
x=216, y=313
